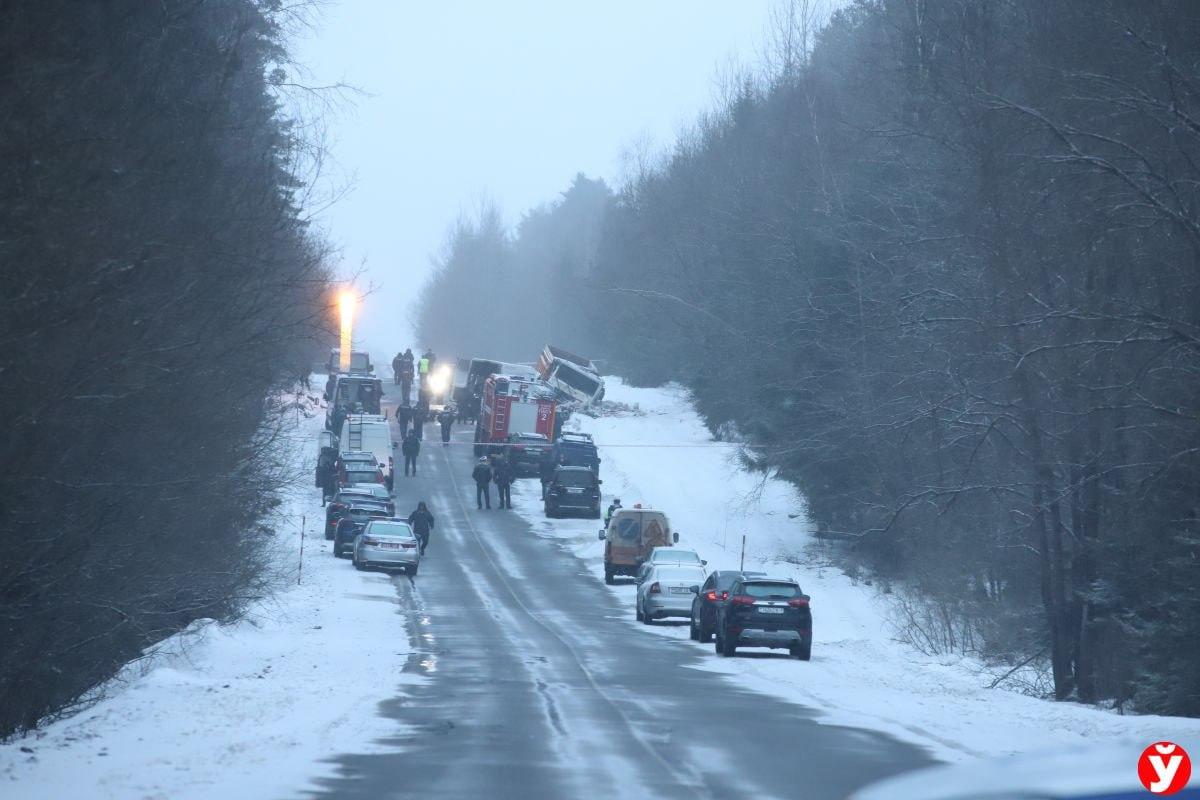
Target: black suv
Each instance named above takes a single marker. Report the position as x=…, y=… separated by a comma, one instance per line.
x=577, y=450
x=525, y=452
x=764, y=612
x=346, y=497
x=573, y=489
x=708, y=599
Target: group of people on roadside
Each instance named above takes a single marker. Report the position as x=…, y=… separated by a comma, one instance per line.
x=495, y=469
x=406, y=366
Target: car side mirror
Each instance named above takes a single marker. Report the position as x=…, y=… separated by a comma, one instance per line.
x=675, y=538
x=601, y=533
x=703, y=562
x=694, y=589
x=598, y=481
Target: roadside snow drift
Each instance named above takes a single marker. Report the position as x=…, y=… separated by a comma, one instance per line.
x=249, y=710
x=656, y=450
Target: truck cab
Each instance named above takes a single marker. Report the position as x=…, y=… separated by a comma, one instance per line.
x=630, y=536
x=513, y=404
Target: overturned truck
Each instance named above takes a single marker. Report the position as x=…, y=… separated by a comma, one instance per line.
x=573, y=377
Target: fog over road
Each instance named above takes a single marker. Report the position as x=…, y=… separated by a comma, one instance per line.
x=528, y=683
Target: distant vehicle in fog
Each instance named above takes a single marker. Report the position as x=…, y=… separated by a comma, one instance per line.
x=352, y=393
x=571, y=375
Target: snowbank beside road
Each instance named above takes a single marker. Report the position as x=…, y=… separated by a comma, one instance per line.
x=249, y=710
x=858, y=674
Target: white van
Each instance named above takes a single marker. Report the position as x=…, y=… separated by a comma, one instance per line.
x=367, y=433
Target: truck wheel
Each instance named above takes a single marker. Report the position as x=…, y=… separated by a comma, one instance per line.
x=608, y=575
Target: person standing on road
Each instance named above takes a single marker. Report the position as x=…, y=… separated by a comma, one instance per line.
x=411, y=449
x=397, y=362
x=419, y=415
x=446, y=419
x=404, y=415
x=546, y=467
x=421, y=521
x=504, y=476
x=482, y=474
x=612, y=509
x=406, y=375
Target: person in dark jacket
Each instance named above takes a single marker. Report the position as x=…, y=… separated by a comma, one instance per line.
x=396, y=363
x=419, y=415
x=546, y=467
x=482, y=474
x=421, y=521
x=503, y=474
x=404, y=418
x=327, y=473
x=406, y=374
x=411, y=449
x=446, y=419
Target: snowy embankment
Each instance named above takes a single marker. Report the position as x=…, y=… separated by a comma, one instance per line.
x=859, y=675
x=251, y=709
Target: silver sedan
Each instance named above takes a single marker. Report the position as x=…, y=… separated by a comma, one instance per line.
x=388, y=544
x=665, y=591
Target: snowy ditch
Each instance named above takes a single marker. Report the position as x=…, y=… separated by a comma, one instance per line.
x=859, y=674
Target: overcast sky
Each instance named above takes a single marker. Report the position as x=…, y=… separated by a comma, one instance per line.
x=504, y=99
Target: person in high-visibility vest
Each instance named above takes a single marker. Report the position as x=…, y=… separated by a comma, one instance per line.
x=423, y=367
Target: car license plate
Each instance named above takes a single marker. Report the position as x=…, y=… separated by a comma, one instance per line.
x=679, y=590
x=574, y=491
x=769, y=610
x=389, y=546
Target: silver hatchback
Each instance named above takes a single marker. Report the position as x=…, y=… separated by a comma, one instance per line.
x=387, y=544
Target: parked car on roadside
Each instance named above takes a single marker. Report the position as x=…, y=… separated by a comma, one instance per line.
x=573, y=490
x=764, y=612
x=665, y=590
x=351, y=524
x=387, y=544
x=670, y=555
x=375, y=490
x=708, y=597
x=525, y=452
x=361, y=472
x=577, y=450
x=359, y=496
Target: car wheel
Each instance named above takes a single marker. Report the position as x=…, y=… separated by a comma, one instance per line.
x=637, y=610
x=646, y=618
x=357, y=565
x=413, y=569
x=693, y=632
x=608, y=576
x=704, y=634
x=329, y=537
x=801, y=651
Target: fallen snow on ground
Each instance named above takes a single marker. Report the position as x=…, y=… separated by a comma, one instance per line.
x=248, y=710
x=859, y=675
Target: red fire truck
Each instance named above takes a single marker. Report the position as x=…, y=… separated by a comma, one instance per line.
x=512, y=404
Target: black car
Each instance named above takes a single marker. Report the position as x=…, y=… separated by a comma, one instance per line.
x=708, y=599
x=764, y=612
x=348, y=496
x=525, y=452
x=573, y=489
x=353, y=520
x=577, y=450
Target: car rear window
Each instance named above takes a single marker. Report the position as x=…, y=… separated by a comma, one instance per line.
x=362, y=477
x=580, y=479
x=778, y=591
x=679, y=573
x=686, y=556
x=394, y=529
x=366, y=513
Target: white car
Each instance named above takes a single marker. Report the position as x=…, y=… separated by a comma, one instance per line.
x=387, y=544
x=670, y=555
x=665, y=590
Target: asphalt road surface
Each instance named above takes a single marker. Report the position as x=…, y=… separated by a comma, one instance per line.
x=524, y=682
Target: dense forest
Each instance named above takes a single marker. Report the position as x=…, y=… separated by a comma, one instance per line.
x=160, y=282
x=940, y=266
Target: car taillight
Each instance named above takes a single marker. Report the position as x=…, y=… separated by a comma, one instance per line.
x=408, y=545
x=336, y=507
x=370, y=541
x=655, y=588
x=798, y=602
x=710, y=596
x=742, y=600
